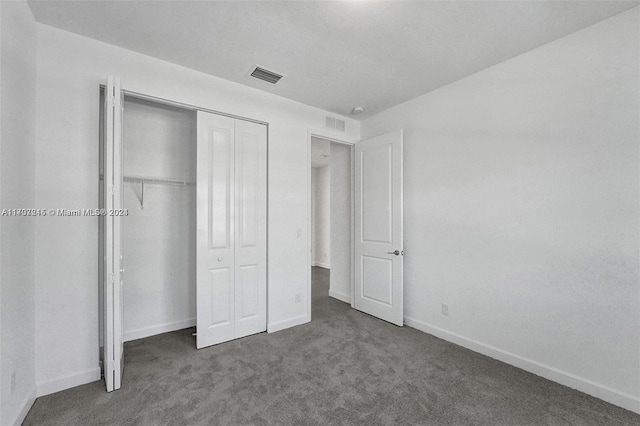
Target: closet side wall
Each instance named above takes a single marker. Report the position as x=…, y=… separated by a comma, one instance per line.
x=159, y=236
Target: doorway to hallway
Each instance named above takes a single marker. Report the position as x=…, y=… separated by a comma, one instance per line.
x=331, y=220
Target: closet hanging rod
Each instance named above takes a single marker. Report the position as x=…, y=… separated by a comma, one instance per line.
x=153, y=181
x=157, y=181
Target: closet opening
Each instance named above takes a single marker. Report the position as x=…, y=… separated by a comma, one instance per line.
x=187, y=243
x=331, y=223
x=159, y=226
x=159, y=238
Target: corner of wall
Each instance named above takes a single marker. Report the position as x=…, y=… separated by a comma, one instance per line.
x=288, y=323
x=69, y=381
x=25, y=407
x=17, y=171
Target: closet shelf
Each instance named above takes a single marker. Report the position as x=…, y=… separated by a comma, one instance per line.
x=142, y=180
x=156, y=181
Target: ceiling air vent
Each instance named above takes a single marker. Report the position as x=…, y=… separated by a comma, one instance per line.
x=334, y=123
x=264, y=74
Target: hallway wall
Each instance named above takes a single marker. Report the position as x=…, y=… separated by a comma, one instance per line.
x=341, y=235
x=321, y=191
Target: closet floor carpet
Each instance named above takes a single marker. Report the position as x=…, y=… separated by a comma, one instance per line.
x=344, y=367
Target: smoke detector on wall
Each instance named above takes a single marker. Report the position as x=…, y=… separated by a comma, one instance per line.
x=265, y=74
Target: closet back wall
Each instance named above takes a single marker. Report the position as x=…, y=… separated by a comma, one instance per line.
x=159, y=238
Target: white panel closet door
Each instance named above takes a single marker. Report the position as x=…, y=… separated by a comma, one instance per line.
x=215, y=275
x=251, y=228
x=113, y=347
x=231, y=229
x=378, y=227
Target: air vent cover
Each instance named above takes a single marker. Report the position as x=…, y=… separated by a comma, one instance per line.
x=334, y=123
x=261, y=73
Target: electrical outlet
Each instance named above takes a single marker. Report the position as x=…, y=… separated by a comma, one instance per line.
x=298, y=297
x=13, y=380
x=445, y=309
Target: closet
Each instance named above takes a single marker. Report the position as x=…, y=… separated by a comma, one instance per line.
x=184, y=237
x=159, y=190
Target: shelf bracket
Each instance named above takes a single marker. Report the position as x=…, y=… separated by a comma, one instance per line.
x=142, y=195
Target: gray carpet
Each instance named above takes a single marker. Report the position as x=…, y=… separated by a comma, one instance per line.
x=344, y=367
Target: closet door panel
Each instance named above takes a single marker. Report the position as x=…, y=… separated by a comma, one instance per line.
x=219, y=188
x=113, y=344
x=215, y=277
x=251, y=207
x=248, y=185
x=220, y=290
x=248, y=282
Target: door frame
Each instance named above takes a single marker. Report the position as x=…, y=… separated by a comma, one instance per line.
x=102, y=89
x=340, y=138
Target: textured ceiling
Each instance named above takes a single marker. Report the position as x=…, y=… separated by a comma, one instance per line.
x=336, y=54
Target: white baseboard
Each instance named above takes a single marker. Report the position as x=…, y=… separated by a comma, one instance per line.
x=26, y=406
x=605, y=393
x=141, y=333
x=68, y=382
x=340, y=296
x=321, y=265
x=288, y=323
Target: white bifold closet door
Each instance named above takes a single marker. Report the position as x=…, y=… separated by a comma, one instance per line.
x=231, y=229
x=113, y=345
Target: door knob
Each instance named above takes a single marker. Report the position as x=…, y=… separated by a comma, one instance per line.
x=396, y=252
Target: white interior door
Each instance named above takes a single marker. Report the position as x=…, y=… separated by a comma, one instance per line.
x=231, y=229
x=113, y=270
x=378, y=227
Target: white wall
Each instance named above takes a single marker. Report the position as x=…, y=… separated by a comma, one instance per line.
x=17, y=171
x=321, y=228
x=70, y=68
x=340, y=171
x=159, y=238
x=521, y=210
